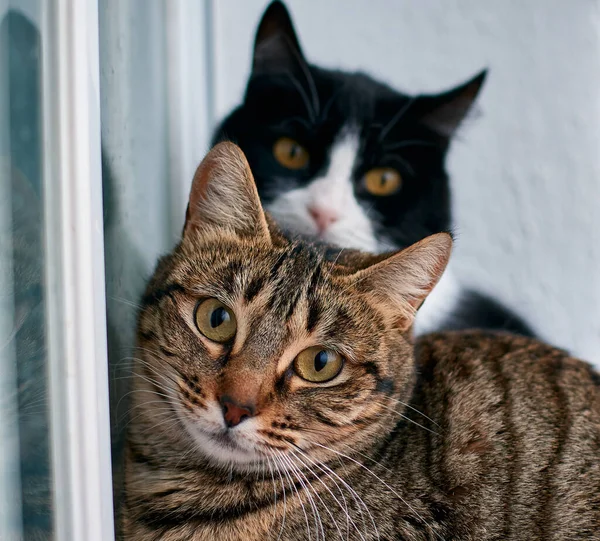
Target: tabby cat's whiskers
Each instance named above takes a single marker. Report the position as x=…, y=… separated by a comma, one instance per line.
x=307, y=486
x=291, y=459
x=344, y=508
x=357, y=499
x=384, y=406
x=287, y=472
x=125, y=301
x=397, y=400
x=394, y=492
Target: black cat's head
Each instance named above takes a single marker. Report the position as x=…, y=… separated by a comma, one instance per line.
x=339, y=156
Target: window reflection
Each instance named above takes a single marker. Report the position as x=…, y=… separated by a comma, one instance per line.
x=23, y=357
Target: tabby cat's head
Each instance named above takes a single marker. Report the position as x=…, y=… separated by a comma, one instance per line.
x=258, y=346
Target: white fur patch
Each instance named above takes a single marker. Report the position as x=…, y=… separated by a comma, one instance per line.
x=439, y=304
x=333, y=192
x=224, y=446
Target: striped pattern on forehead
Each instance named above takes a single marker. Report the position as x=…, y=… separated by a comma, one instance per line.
x=295, y=273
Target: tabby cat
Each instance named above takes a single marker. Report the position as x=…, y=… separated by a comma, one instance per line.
x=348, y=160
x=277, y=395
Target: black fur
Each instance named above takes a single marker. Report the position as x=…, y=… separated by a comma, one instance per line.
x=476, y=310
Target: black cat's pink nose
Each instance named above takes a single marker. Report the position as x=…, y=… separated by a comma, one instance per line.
x=323, y=217
x=233, y=413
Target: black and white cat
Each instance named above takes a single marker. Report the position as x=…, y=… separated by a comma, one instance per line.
x=347, y=160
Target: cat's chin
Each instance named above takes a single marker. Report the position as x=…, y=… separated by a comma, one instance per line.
x=225, y=448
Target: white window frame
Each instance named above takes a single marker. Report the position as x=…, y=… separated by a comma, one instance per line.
x=76, y=314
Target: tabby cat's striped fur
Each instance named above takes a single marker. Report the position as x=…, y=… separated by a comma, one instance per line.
x=473, y=437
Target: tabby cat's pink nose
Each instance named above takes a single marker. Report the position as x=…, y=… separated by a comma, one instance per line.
x=323, y=217
x=233, y=413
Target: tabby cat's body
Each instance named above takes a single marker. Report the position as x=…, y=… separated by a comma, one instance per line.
x=511, y=452
x=234, y=436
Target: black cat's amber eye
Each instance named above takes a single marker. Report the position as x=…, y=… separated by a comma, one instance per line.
x=317, y=364
x=215, y=320
x=383, y=181
x=290, y=153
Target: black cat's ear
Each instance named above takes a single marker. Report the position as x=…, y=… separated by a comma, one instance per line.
x=444, y=112
x=276, y=46
x=403, y=280
x=223, y=197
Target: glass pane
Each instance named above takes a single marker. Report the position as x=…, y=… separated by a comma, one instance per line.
x=25, y=482
x=135, y=168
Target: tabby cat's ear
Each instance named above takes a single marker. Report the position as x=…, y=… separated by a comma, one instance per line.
x=403, y=280
x=444, y=112
x=224, y=196
x=276, y=46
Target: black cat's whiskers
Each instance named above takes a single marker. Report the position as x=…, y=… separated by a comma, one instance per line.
x=404, y=164
x=281, y=126
x=332, y=264
x=309, y=79
x=298, y=86
x=395, y=119
x=409, y=143
x=384, y=244
x=330, y=103
x=374, y=475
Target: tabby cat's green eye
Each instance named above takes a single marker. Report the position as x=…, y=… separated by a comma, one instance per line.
x=318, y=365
x=215, y=320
